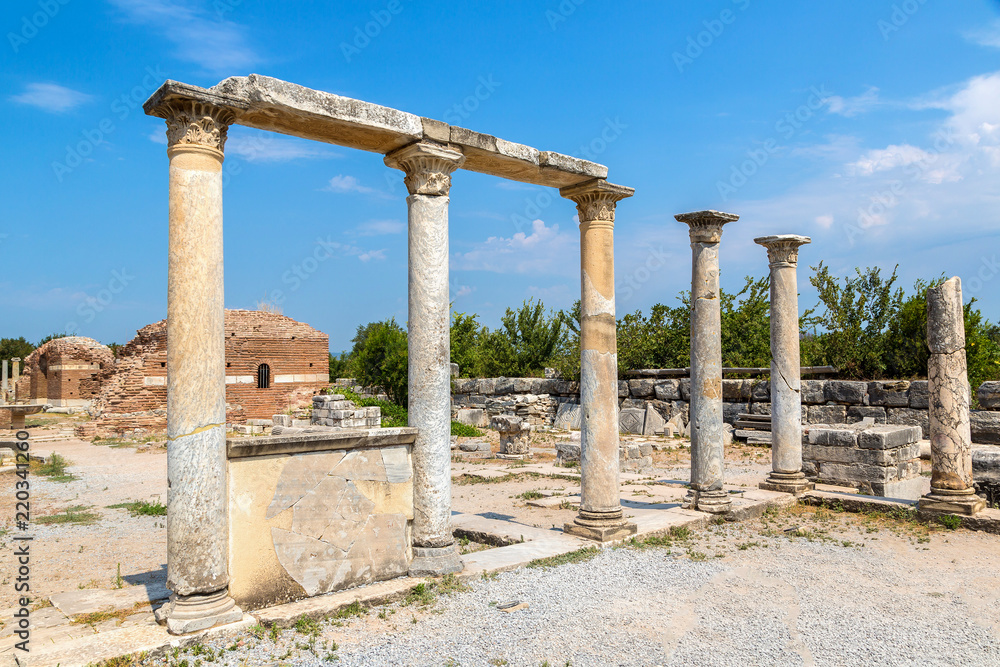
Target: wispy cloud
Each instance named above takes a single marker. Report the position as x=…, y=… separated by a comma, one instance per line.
x=270, y=148
x=853, y=106
x=51, y=97
x=463, y=290
x=380, y=228
x=986, y=36
x=545, y=250
x=349, y=184
x=218, y=45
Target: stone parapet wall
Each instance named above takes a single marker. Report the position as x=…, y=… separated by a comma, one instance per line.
x=901, y=402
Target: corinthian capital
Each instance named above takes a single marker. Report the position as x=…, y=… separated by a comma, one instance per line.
x=428, y=167
x=190, y=122
x=706, y=226
x=783, y=249
x=596, y=199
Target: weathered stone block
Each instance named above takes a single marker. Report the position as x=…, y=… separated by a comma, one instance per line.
x=985, y=426
x=667, y=390
x=831, y=437
x=653, y=423
x=894, y=394
x=737, y=390
x=730, y=411
x=919, y=394
x=282, y=420
x=567, y=452
x=568, y=416
x=622, y=389
x=503, y=386
x=645, y=449
x=846, y=392
x=760, y=391
x=522, y=385
x=641, y=388
x=631, y=420
x=685, y=386
x=827, y=414
x=761, y=408
x=464, y=385
x=910, y=416
x=472, y=416
x=813, y=392
x=888, y=436
x=856, y=413
x=988, y=395
x=486, y=386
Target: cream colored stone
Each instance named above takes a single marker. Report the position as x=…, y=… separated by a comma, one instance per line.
x=389, y=498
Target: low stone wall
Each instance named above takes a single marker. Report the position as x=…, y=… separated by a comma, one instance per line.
x=538, y=400
x=315, y=513
x=882, y=460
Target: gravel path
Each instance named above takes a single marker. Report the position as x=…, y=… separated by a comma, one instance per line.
x=887, y=598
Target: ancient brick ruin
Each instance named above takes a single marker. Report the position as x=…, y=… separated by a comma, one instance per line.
x=65, y=372
x=273, y=363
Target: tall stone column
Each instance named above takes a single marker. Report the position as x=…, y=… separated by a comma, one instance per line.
x=428, y=169
x=16, y=361
x=948, y=382
x=707, y=453
x=197, y=502
x=3, y=382
x=786, y=382
x=600, y=516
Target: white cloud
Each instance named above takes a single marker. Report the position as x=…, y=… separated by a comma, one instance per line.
x=199, y=37
x=890, y=157
x=824, y=221
x=545, y=250
x=380, y=228
x=988, y=36
x=349, y=250
x=341, y=183
x=265, y=147
x=463, y=290
x=51, y=97
x=853, y=106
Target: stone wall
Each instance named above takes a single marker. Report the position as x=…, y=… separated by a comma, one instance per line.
x=133, y=396
x=902, y=402
x=65, y=371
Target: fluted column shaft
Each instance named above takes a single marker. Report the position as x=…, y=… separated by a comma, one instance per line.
x=786, y=383
x=600, y=514
x=707, y=448
x=197, y=499
x=428, y=169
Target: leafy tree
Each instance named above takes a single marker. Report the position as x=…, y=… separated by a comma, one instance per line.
x=526, y=340
x=380, y=358
x=340, y=366
x=467, y=344
x=856, y=318
x=15, y=347
x=746, y=325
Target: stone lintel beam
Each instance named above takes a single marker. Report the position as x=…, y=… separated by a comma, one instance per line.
x=279, y=106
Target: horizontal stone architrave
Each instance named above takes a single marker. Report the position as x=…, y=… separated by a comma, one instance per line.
x=266, y=103
x=334, y=440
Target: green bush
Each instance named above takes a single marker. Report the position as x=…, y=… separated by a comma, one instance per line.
x=464, y=430
x=380, y=358
x=525, y=342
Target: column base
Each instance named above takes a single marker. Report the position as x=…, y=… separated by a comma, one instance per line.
x=513, y=457
x=600, y=526
x=795, y=483
x=435, y=561
x=946, y=501
x=713, y=502
x=185, y=614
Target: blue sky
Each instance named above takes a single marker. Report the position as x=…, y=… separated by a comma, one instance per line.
x=873, y=127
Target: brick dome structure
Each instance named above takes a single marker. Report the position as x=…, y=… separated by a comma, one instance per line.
x=65, y=371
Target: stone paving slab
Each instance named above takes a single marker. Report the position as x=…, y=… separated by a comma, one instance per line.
x=87, y=601
x=555, y=501
x=154, y=640
x=495, y=531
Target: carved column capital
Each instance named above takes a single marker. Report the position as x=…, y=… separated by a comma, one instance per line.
x=193, y=123
x=596, y=199
x=428, y=167
x=706, y=226
x=783, y=249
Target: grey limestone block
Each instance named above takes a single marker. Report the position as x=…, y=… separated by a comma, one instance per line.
x=813, y=392
x=737, y=390
x=856, y=413
x=667, y=390
x=486, y=386
x=760, y=391
x=847, y=392
x=522, y=385
x=919, y=395
x=985, y=426
x=891, y=393
x=504, y=386
x=888, y=436
x=464, y=385
x=910, y=416
x=641, y=388
x=730, y=411
x=988, y=395
x=827, y=414
x=623, y=390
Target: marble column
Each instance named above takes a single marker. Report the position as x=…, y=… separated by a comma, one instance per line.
x=197, y=502
x=786, y=382
x=707, y=449
x=600, y=516
x=952, y=491
x=428, y=168
x=3, y=382
x=16, y=375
